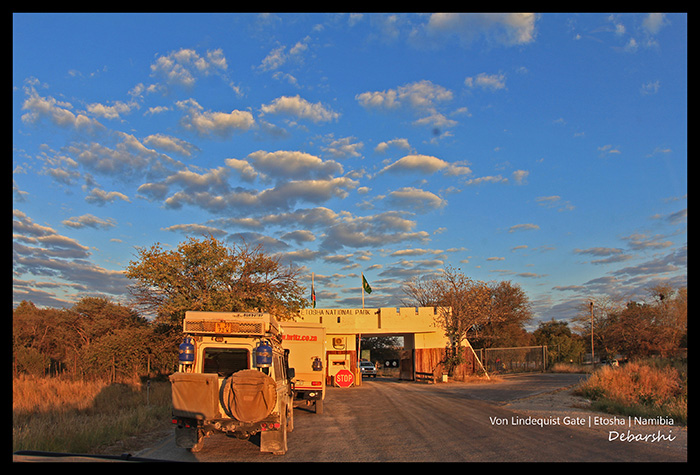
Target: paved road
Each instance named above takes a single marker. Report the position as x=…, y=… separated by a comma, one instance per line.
x=398, y=421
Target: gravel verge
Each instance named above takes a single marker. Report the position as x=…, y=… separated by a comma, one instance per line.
x=563, y=403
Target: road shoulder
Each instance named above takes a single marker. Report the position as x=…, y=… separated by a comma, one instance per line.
x=563, y=405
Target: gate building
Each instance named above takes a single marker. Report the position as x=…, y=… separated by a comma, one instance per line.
x=424, y=339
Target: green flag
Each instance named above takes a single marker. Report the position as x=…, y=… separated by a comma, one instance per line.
x=365, y=285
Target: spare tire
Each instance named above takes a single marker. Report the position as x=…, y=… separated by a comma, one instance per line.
x=249, y=395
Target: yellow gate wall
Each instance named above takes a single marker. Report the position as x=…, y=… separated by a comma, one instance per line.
x=424, y=338
x=417, y=321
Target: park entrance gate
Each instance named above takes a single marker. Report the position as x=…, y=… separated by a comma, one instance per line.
x=424, y=339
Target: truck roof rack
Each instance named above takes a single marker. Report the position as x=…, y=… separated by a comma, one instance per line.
x=230, y=323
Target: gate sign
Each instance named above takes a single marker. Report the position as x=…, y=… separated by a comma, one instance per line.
x=344, y=378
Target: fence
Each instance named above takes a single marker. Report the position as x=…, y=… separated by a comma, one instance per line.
x=514, y=360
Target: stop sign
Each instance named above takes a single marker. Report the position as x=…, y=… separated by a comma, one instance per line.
x=344, y=378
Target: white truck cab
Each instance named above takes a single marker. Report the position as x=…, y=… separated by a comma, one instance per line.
x=306, y=343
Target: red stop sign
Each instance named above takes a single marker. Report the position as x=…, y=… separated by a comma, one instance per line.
x=344, y=378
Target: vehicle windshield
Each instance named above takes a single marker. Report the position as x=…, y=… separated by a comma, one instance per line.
x=225, y=361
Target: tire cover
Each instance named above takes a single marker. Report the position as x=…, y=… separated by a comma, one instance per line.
x=250, y=395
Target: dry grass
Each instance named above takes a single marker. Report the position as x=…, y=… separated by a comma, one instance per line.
x=647, y=389
x=570, y=368
x=55, y=415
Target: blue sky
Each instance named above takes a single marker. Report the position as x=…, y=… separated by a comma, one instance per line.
x=549, y=150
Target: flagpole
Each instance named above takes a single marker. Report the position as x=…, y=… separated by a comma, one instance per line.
x=313, y=291
x=362, y=285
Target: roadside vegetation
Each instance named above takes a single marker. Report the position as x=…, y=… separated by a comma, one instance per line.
x=85, y=417
x=649, y=388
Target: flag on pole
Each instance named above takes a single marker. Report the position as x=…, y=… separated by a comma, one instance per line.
x=365, y=285
x=313, y=292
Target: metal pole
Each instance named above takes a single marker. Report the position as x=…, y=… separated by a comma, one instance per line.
x=362, y=286
x=592, y=349
x=476, y=357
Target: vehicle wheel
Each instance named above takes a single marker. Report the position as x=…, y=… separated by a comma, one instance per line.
x=318, y=406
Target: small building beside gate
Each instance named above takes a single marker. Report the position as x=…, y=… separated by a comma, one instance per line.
x=424, y=338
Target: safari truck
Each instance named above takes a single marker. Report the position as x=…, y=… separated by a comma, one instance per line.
x=306, y=343
x=233, y=377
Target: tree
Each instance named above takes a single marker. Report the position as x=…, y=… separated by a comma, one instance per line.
x=205, y=275
x=509, y=311
x=487, y=313
x=561, y=343
x=657, y=326
x=472, y=310
x=121, y=354
x=96, y=316
x=95, y=337
x=382, y=348
x=637, y=330
x=40, y=331
x=462, y=303
x=672, y=311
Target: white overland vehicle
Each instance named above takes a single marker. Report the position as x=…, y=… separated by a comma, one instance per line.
x=233, y=377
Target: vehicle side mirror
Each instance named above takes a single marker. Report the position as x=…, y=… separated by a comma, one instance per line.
x=290, y=373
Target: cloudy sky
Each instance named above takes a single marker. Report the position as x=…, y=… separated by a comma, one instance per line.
x=549, y=150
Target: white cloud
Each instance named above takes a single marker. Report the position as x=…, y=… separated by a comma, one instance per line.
x=608, y=150
x=425, y=164
x=421, y=95
x=372, y=231
x=196, y=229
x=57, y=112
x=398, y=143
x=493, y=82
x=216, y=178
x=89, y=220
x=653, y=22
x=293, y=165
x=651, y=87
x=345, y=147
x=247, y=172
x=112, y=112
x=183, y=67
x=282, y=196
x=415, y=199
x=39, y=250
x=640, y=241
x=169, y=143
x=279, y=56
x=523, y=227
x=300, y=108
x=419, y=163
x=423, y=98
x=101, y=197
x=485, y=179
x=214, y=122
x=520, y=175
x=507, y=29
